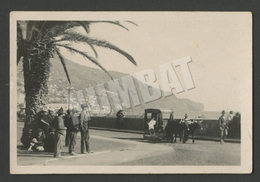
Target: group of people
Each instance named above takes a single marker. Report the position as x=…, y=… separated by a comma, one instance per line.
x=224, y=124
x=52, y=130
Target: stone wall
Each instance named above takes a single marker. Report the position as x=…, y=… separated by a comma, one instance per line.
x=209, y=127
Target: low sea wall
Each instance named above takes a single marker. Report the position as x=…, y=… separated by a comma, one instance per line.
x=209, y=127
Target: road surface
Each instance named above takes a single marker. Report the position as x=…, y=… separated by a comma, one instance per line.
x=119, y=148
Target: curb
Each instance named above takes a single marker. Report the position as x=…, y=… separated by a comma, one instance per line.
x=117, y=130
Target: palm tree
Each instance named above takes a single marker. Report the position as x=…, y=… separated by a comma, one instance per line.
x=37, y=42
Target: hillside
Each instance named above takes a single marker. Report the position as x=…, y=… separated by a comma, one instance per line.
x=83, y=77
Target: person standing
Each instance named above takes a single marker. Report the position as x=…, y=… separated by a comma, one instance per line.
x=67, y=121
x=73, y=128
x=222, y=127
x=50, y=136
x=169, y=128
x=84, y=125
x=185, y=127
x=60, y=131
x=228, y=122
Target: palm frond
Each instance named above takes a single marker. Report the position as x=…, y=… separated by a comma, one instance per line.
x=101, y=43
x=133, y=23
x=93, y=60
x=117, y=23
x=70, y=39
x=84, y=25
x=64, y=65
x=56, y=28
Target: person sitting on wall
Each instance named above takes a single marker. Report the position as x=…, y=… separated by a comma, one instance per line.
x=151, y=125
x=120, y=118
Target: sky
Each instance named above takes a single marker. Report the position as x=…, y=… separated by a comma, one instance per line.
x=219, y=44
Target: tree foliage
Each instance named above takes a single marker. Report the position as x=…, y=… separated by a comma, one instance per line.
x=45, y=38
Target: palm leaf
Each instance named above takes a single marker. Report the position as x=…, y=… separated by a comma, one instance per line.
x=101, y=43
x=64, y=65
x=56, y=28
x=93, y=60
x=133, y=23
x=117, y=23
x=69, y=39
x=85, y=25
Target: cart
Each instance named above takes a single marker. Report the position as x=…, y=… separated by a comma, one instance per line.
x=158, y=133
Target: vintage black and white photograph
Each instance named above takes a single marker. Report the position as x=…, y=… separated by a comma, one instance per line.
x=130, y=92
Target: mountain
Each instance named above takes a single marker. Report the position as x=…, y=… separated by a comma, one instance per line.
x=83, y=77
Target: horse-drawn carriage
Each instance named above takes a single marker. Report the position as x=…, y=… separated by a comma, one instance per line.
x=160, y=125
x=158, y=117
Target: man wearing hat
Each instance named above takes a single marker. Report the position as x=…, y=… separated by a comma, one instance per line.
x=84, y=125
x=222, y=127
x=73, y=127
x=60, y=131
x=67, y=121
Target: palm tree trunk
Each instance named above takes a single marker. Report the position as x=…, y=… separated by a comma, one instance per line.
x=36, y=74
